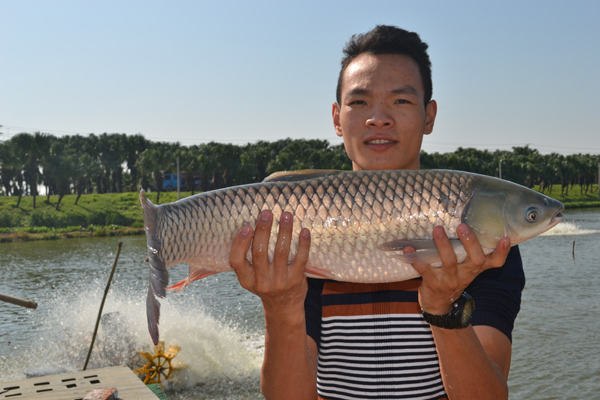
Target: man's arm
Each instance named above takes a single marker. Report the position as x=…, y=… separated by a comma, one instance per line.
x=474, y=361
x=290, y=363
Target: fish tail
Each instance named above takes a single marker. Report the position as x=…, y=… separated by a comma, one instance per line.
x=159, y=277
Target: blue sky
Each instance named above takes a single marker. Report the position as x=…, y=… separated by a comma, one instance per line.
x=505, y=73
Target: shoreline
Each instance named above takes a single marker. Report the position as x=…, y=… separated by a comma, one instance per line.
x=23, y=235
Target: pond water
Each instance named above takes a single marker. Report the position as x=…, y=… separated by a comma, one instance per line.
x=556, y=346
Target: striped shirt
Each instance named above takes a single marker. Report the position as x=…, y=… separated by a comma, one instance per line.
x=374, y=344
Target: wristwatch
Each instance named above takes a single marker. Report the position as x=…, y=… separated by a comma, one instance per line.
x=459, y=317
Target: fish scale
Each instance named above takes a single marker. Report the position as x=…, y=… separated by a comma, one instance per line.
x=359, y=222
x=336, y=209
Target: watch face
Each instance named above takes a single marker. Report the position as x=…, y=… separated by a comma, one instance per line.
x=465, y=318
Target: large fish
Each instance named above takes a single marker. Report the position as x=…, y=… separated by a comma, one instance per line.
x=359, y=222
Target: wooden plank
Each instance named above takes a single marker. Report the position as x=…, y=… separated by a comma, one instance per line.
x=75, y=385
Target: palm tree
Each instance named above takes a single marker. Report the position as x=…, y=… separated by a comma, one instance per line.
x=9, y=167
x=59, y=166
x=134, y=146
x=31, y=149
x=156, y=161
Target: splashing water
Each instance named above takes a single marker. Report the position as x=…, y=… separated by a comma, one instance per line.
x=569, y=228
x=223, y=358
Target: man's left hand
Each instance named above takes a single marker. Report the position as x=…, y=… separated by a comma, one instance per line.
x=441, y=287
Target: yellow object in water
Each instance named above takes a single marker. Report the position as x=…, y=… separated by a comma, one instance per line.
x=160, y=365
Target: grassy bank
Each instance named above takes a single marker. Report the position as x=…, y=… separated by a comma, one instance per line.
x=574, y=198
x=117, y=214
x=110, y=214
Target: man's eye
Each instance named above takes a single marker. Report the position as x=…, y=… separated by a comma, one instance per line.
x=357, y=102
x=402, y=101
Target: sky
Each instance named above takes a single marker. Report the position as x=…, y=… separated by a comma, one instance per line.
x=505, y=73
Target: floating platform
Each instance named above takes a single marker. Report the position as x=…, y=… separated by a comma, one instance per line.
x=75, y=385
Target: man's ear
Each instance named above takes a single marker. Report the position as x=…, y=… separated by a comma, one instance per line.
x=430, y=113
x=335, y=114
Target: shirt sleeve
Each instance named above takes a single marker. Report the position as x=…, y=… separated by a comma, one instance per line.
x=497, y=294
x=312, y=309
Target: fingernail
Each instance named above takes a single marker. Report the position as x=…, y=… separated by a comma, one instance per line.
x=245, y=230
x=286, y=217
x=463, y=229
x=305, y=233
x=439, y=232
x=264, y=216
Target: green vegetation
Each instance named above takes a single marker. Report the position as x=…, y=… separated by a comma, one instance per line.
x=576, y=197
x=118, y=163
x=110, y=214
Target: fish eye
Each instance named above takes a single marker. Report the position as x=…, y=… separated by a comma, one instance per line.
x=533, y=215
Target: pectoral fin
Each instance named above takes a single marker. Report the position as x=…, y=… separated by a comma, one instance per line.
x=426, y=251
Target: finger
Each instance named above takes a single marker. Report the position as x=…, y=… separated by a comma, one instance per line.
x=284, y=239
x=260, y=242
x=444, y=247
x=237, y=255
x=421, y=267
x=472, y=246
x=303, y=252
x=498, y=257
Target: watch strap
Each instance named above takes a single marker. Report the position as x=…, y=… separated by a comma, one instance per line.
x=459, y=317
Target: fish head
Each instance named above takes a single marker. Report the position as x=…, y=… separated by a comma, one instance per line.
x=500, y=209
x=530, y=214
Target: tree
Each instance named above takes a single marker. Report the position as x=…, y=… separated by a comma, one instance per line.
x=31, y=149
x=59, y=166
x=134, y=146
x=156, y=160
x=9, y=167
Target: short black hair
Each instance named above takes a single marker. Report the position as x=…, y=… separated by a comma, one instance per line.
x=386, y=39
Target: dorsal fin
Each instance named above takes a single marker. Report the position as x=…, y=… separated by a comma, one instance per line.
x=300, y=175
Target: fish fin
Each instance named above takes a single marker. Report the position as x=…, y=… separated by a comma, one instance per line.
x=426, y=251
x=159, y=277
x=153, y=314
x=431, y=257
x=179, y=285
x=300, y=175
x=195, y=274
x=315, y=272
x=400, y=244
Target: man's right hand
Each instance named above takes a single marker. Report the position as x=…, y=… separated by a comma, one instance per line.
x=281, y=285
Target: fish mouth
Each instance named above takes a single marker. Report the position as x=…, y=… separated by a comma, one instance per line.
x=557, y=217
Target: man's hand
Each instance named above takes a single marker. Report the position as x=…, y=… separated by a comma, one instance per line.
x=441, y=287
x=290, y=365
x=279, y=284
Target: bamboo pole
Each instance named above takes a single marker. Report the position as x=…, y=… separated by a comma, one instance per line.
x=178, y=181
x=112, y=272
x=18, y=301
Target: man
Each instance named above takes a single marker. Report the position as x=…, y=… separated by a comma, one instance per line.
x=313, y=350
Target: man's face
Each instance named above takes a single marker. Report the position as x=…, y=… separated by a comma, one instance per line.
x=382, y=118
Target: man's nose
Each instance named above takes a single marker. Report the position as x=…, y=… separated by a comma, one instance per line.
x=380, y=119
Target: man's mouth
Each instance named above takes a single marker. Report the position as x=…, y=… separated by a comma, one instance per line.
x=379, y=141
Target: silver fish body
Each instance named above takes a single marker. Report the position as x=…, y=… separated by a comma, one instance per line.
x=360, y=221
